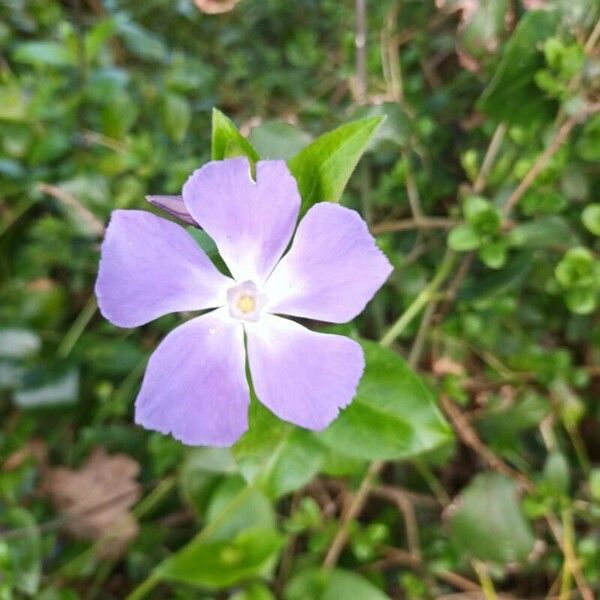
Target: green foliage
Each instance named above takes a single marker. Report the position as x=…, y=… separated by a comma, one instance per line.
x=227, y=141
x=395, y=403
x=103, y=103
x=217, y=565
x=323, y=168
x=511, y=95
x=489, y=522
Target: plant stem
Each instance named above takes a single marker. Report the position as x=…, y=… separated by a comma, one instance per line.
x=422, y=299
x=427, y=294
x=77, y=328
x=485, y=580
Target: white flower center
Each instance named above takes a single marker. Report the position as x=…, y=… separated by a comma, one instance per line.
x=245, y=301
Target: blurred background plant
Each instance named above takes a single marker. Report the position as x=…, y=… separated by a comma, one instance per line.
x=481, y=186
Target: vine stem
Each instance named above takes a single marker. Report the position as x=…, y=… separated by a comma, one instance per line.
x=148, y=584
x=427, y=294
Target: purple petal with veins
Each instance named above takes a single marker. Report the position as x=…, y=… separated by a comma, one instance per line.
x=195, y=385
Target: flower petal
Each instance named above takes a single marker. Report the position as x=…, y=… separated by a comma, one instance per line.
x=150, y=267
x=174, y=205
x=195, y=385
x=250, y=222
x=302, y=376
x=332, y=269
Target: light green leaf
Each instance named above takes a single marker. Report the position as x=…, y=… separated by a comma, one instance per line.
x=463, y=238
x=542, y=232
x=234, y=507
x=393, y=416
x=276, y=139
x=22, y=556
x=176, y=114
x=320, y=584
x=47, y=54
x=591, y=218
x=323, y=168
x=512, y=95
x=227, y=141
x=489, y=522
x=277, y=456
x=221, y=564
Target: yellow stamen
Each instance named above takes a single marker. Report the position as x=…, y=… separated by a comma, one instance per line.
x=246, y=304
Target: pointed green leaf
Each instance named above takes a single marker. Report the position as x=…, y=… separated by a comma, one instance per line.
x=323, y=168
x=227, y=141
x=489, y=522
x=512, y=95
x=393, y=416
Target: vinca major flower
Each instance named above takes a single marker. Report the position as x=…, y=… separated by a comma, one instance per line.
x=195, y=386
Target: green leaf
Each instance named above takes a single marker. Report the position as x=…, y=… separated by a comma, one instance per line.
x=493, y=254
x=227, y=141
x=276, y=139
x=557, y=473
x=393, y=416
x=202, y=472
x=512, y=95
x=22, y=557
x=396, y=128
x=323, y=168
x=582, y=301
x=489, y=522
x=176, y=115
x=482, y=215
x=463, y=238
x=591, y=218
x=576, y=269
x=46, y=54
x=221, y=564
x=321, y=584
x=276, y=456
x=96, y=37
x=18, y=343
x=236, y=506
x=541, y=233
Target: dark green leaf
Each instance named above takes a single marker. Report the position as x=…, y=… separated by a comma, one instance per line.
x=393, y=416
x=512, y=95
x=489, y=521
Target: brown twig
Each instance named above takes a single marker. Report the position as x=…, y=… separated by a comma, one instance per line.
x=416, y=223
x=490, y=158
x=351, y=513
x=70, y=201
x=470, y=438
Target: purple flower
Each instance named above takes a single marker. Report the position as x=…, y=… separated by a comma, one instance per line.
x=195, y=385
